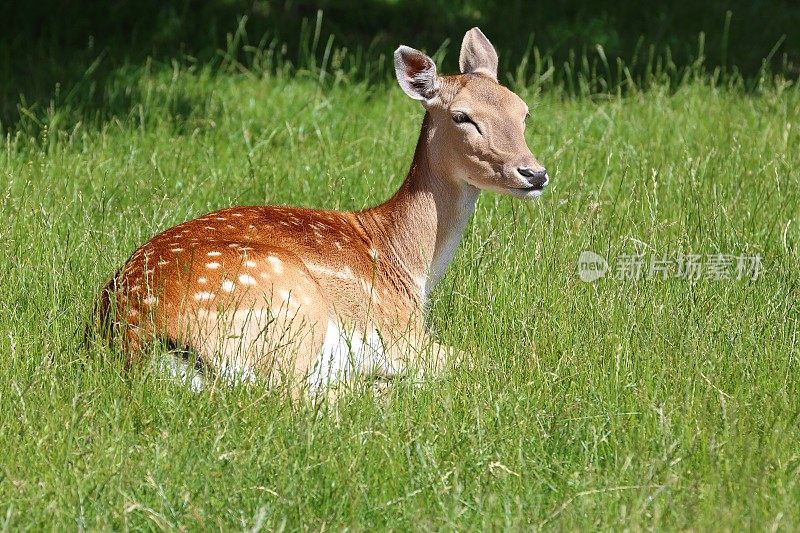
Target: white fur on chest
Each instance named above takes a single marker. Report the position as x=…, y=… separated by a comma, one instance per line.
x=449, y=238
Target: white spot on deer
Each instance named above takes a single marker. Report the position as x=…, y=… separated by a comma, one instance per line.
x=338, y=245
x=250, y=264
x=133, y=313
x=244, y=279
x=238, y=215
x=201, y=280
x=212, y=266
x=210, y=228
x=221, y=218
x=277, y=264
x=284, y=294
x=150, y=300
x=228, y=286
x=345, y=273
x=136, y=288
x=203, y=296
x=214, y=254
x=264, y=275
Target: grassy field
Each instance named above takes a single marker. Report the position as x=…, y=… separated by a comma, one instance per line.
x=650, y=403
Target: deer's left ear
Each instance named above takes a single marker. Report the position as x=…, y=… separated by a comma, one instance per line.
x=477, y=56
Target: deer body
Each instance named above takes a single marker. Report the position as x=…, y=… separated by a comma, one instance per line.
x=315, y=297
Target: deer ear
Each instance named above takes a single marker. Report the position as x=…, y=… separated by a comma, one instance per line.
x=416, y=74
x=477, y=56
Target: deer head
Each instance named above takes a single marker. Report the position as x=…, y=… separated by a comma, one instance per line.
x=476, y=126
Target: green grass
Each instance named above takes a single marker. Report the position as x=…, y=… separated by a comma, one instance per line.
x=654, y=404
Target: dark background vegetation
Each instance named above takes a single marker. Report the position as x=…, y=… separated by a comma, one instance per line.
x=47, y=47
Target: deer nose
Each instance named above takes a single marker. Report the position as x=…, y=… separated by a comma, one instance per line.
x=536, y=178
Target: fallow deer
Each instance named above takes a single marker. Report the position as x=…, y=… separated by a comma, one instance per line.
x=316, y=297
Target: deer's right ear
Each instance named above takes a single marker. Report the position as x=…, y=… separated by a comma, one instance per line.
x=416, y=74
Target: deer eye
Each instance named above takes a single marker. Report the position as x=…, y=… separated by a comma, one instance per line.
x=461, y=118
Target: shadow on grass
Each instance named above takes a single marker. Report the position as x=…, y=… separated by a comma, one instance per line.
x=63, y=53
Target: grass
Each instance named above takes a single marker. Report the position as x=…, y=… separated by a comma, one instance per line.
x=662, y=404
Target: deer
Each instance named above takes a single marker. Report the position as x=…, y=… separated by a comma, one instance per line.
x=314, y=298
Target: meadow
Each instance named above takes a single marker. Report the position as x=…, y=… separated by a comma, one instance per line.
x=661, y=402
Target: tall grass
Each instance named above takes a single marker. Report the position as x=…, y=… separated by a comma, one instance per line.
x=668, y=404
x=96, y=82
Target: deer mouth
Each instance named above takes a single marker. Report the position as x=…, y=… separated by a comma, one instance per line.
x=533, y=191
x=508, y=187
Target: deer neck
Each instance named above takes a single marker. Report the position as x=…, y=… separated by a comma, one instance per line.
x=421, y=226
